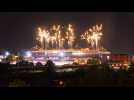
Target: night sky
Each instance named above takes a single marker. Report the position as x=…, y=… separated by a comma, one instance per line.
x=17, y=30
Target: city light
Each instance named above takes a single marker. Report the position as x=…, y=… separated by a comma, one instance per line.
x=7, y=53
x=28, y=54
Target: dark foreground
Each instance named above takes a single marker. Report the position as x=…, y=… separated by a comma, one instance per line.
x=90, y=76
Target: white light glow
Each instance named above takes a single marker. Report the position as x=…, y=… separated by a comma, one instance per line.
x=60, y=63
x=108, y=57
x=28, y=54
x=61, y=54
x=1, y=56
x=7, y=53
x=0, y=60
x=77, y=53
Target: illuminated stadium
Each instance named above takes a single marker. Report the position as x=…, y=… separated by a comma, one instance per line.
x=61, y=57
x=51, y=45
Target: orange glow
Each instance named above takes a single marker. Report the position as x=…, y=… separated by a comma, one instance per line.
x=93, y=36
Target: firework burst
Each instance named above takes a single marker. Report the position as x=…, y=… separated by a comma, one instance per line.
x=93, y=36
x=70, y=36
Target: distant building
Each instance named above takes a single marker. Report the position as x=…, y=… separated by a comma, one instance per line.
x=120, y=58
